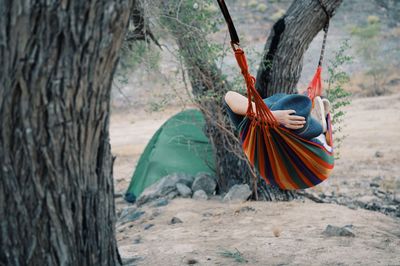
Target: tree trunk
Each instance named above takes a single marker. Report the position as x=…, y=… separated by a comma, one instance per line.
x=208, y=87
x=56, y=185
x=282, y=61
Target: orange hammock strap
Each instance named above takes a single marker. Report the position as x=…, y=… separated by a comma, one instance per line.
x=262, y=112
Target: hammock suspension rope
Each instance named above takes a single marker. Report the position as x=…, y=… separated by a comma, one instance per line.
x=280, y=156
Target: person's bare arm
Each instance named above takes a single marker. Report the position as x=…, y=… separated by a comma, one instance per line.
x=238, y=104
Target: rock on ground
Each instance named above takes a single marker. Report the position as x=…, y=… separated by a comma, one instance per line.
x=175, y=220
x=205, y=182
x=184, y=190
x=126, y=211
x=200, y=195
x=130, y=217
x=165, y=187
x=161, y=202
x=238, y=193
x=332, y=230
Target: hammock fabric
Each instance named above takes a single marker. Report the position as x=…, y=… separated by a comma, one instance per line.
x=281, y=157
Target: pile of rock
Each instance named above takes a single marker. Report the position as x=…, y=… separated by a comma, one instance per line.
x=365, y=194
x=200, y=187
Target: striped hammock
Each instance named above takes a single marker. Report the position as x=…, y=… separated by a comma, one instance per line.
x=281, y=157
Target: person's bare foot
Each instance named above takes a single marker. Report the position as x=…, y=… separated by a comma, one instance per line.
x=318, y=112
x=327, y=106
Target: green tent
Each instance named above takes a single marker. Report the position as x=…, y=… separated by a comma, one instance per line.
x=178, y=146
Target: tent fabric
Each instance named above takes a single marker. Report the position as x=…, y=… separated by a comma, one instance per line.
x=178, y=146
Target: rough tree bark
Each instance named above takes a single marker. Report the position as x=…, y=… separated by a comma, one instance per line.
x=56, y=186
x=138, y=29
x=282, y=61
x=208, y=87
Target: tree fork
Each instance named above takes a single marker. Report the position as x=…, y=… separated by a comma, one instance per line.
x=282, y=61
x=206, y=78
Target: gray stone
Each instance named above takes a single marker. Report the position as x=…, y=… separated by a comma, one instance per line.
x=137, y=240
x=154, y=214
x=343, y=201
x=396, y=198
x=378, y=154
x=352, y=206
x=191, y=261
x=165, y=187
x=205, y=182
x=373, y=184
x=314, y=196
x=200, y=195
x=161, y=202
x=176, y=220
x=147, y=226
x=374, y=206
x=172, y=195
x=184, y=190
x=238, y=193
x=131, y=261
x=380, y=193
x=131, y=217
x=332, y=230
x=366, y=200
x=247, y=209
x=126, y=211
x=389, y=208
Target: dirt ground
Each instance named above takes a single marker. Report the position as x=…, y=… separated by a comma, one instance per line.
x=208, y=228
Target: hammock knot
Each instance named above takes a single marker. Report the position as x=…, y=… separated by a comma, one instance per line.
x=250, y=80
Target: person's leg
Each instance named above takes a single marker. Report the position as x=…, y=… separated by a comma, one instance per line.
x=237, y=102
x=229, y=103
x=321, y=139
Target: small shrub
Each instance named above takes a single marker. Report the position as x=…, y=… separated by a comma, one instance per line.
x=236, y=255
x=252, y=3
x=373, y=19
x=368, y=46
x=262, y=8
x=336, y=92
x=278, y=14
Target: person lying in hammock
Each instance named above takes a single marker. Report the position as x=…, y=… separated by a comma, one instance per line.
x=308, y=123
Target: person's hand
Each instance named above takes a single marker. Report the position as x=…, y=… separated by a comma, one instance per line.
x=288, y=119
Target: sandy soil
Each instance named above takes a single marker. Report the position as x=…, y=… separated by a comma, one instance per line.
x=371, y=148
x=210, y=227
